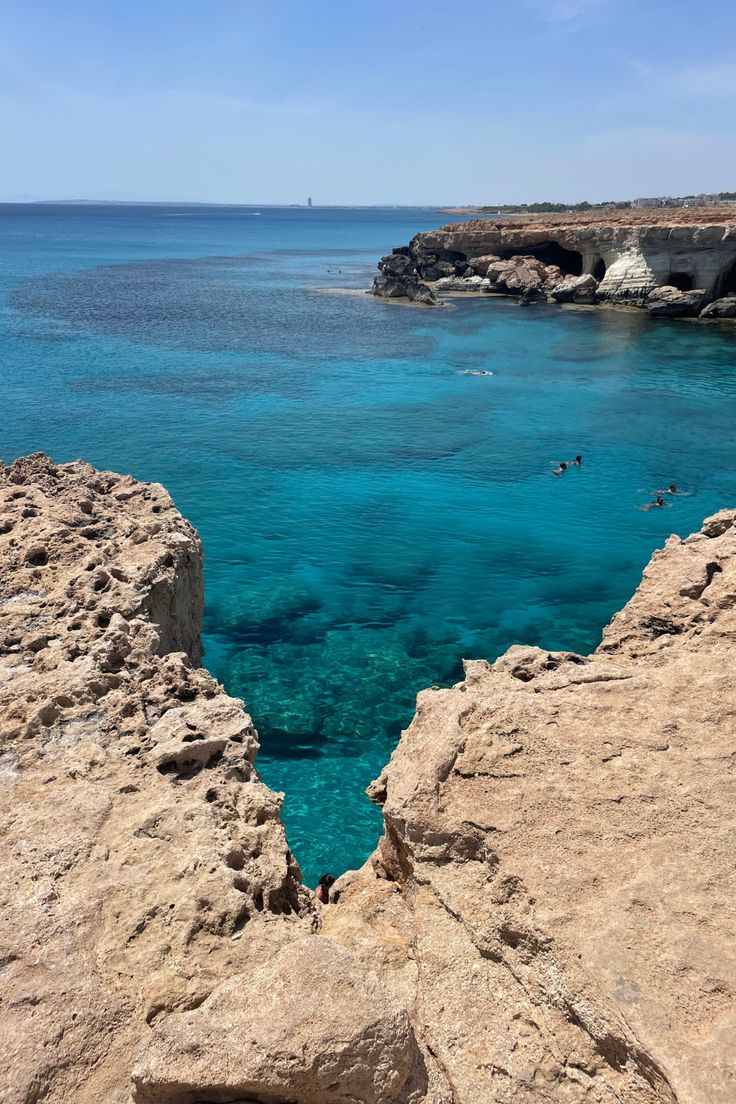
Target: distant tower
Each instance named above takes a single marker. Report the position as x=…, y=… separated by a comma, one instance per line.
x=309, y=202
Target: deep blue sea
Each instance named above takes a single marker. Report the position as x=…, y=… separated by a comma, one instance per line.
x=370, y=513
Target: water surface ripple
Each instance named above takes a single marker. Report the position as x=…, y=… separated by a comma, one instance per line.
x=371, y=513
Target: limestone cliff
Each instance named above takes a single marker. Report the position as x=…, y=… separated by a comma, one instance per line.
x=628, y=253
x=548, y=917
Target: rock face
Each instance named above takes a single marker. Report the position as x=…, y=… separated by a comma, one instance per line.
x=275, y=1034
x=628, y=253
x=721, y=308
x=138, y=842
x=670, y=302
x=399, y=279
x=553, y=894
x=547, y=918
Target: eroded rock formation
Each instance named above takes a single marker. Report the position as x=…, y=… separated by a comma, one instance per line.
x=623, y=255
x=137, y=841
x=548, y=917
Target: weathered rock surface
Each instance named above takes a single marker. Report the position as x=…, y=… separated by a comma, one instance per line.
x=137, y=841
x=629, y=253
x=399, y=279
x=548, y=917
x=720, y=308
x=670, y=302
x=309, y=1024
x=553, y=896
x=575, y=289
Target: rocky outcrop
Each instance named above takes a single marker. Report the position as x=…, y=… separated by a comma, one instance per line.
x=720, y=308
x=670, y=302
x=548, y=916
x=399, y=279
x=139, y=845
x=276, y=1034
x=551, y=898
x=576, y=289
x=627, y=253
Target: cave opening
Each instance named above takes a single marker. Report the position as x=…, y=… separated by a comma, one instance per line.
x=569, y=261
x=599, y=269
x=683, y=281
x=727, y=282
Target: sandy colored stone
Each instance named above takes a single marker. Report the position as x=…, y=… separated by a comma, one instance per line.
x=139, y=847
x=309, y=1024
x=559, y=856
x=549, y=916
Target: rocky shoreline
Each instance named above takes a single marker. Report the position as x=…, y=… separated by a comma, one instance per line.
x=548, y=916
x=667, y=265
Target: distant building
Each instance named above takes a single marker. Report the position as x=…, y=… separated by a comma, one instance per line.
x=309, y=202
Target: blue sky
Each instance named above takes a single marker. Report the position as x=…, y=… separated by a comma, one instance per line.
x=367, y=101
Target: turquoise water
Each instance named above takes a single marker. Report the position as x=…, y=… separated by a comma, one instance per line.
x=370, y=513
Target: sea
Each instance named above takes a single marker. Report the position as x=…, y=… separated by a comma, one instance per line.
x=372, y=481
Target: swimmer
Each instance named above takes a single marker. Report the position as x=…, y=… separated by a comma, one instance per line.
x=656, y=505
x=578, y=461
x=671, y=490
x=322, y=892
x=561, y=469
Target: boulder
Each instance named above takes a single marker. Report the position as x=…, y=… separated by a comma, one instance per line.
x=670, y=302
x=480, y=264
x=576, y=289
x=435, y=270
x=310, y=1024
x=517, y=275
x=721, y=308
x=388, y=289
x=397, y=266
x=417, y=292
x=531, y=296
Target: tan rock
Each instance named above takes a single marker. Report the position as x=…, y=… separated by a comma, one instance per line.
x=560, y=860
x=310, y=1024
x=139, y=848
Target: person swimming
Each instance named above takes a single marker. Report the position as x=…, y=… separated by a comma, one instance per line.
x=578, y=461
x=322, y=892
x=561, y=468
x=657, y=504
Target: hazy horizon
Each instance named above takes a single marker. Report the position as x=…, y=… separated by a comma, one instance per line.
x=565, y=100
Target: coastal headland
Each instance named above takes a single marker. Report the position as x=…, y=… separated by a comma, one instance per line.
x=675, y=262
x=547, y=917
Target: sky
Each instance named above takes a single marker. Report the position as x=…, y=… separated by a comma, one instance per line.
x=366, y=101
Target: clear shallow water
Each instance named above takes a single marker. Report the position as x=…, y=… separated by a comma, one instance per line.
x=370, y=514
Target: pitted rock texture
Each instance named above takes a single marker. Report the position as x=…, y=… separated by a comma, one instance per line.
x=139, y=848
x=307, y=1025
x=549, y=915
x=553, y=898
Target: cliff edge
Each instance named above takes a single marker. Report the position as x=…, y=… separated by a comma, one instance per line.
x=548, y=916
